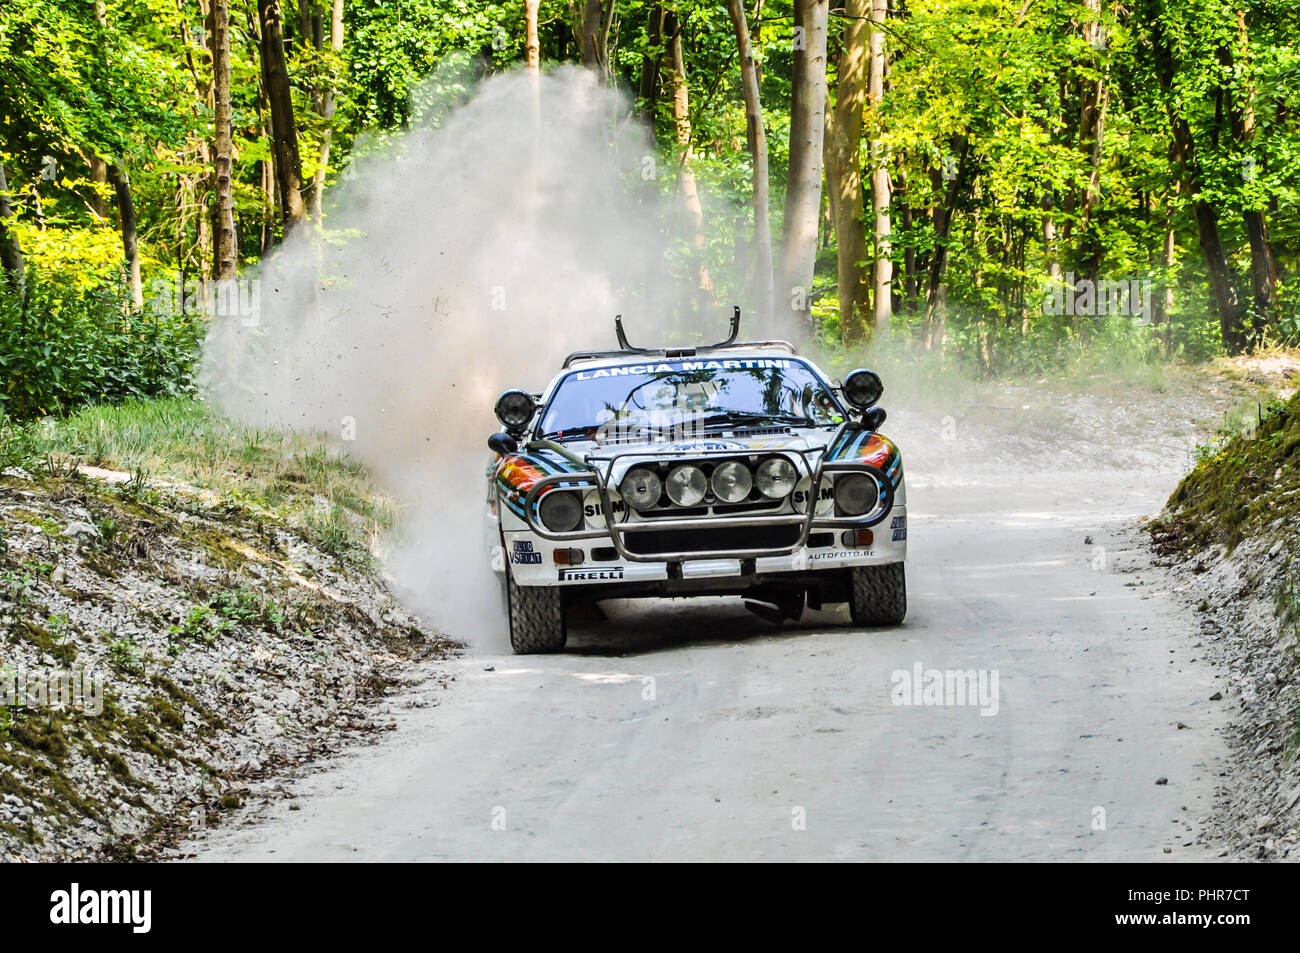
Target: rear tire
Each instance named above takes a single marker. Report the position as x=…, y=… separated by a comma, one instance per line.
x=536, y=618
x=878, y=594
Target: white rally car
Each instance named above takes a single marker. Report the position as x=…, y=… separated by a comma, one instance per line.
x=732, y=469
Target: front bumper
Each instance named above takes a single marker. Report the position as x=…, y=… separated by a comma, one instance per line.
x=532, y=560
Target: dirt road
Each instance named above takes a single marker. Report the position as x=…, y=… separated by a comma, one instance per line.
x=694, y=730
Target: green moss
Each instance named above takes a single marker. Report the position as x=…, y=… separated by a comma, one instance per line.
x=167, y=714
x=113, y=761
x=1235, y=492
x=65, y=653
x=182, y=697
x=36, y=753
x=41, y=735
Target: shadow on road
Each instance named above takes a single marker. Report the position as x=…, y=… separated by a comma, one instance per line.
x=619, y=627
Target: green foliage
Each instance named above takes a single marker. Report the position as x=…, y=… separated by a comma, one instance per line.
x=61, y=346
x=201, y=624
x=127, y=81
x=244, y=607
x=124, y=655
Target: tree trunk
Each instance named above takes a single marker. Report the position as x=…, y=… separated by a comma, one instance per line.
x=11, y=250
x=1184, y=158
x=225, y=254
x=1241, y=119
x=202, y=187
x=327, y=104
x=270, y=197
x=648, y=88
x=1226, y=301
x=591, y=29
x=1095, y=95
x=284, y=140
x=943, y=216
x=121, y=183
x=682, y=122
x=1049, y=239
x=532, y=46
x=804, y=184
x=844, y=171
x=1167, y=259
x=883, y=268
x=98, y=175
x=904, y=293
x=757, y=141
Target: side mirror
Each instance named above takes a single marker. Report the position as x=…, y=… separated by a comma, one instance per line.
x=862, y=388
x=874, y=418
x=502, y=443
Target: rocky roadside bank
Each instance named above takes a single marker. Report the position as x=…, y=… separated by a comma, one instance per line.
x=1230, y=537
x=1242, y=632
x=204, y=646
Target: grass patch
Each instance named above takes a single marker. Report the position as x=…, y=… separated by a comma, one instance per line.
x=297, y=479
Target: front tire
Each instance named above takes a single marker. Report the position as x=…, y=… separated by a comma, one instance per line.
x=878, y=594
x=536, y=618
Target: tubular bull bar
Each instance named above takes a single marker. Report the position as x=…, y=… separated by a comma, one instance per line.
x=616, y=532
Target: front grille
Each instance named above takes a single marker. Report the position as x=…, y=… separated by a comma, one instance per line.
x=711, y=539
x=669, y=510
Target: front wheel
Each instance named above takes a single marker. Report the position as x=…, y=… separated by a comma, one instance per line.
x=878, y=594
x=536, y=617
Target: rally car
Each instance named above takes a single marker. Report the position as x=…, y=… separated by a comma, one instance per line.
x=732, y=469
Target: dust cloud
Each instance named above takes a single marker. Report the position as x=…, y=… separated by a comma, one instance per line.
x=462, y=258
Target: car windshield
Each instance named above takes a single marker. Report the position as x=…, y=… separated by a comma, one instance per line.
x=674, y=396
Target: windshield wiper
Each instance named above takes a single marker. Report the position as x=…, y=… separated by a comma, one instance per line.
x=570, y=433
x=753, y=417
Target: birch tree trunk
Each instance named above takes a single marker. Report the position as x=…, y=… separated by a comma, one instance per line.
x=844, y=171
x=532, y=46
x=224, y=264
x=757, y=141
x=682, y=122
x=883, y=268
x=326, y=107
x=804, y=184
